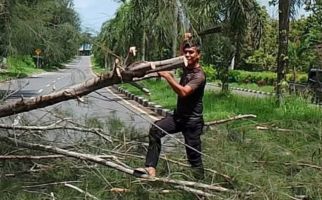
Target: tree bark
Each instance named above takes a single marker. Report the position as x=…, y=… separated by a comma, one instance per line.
x=76, y=91
x=175, y=29
x=144, y=45
x=282, y=57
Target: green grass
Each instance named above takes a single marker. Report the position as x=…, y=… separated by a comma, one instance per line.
x=276, y=164
x=160, y=93
x=269, y=164
x=97, y=69
x=20, y=67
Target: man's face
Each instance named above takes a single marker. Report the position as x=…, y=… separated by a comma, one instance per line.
x=192, y=55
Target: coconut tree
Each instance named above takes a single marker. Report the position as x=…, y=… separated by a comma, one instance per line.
x=286, y=9
x=230, y=19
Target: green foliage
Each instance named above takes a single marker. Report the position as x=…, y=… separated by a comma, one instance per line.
x=167, y=97
x=50, y=25
x=261, y=60
x=257, y=158
x=261, y=78
x=300, y=77
x=18, y=67
x=210, y=71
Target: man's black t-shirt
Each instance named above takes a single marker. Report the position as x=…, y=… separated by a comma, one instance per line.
x=192, y=105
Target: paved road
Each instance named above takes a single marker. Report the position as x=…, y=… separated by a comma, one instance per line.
x=102, y=106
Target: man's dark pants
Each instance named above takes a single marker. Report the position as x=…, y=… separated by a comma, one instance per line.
x=191, y=129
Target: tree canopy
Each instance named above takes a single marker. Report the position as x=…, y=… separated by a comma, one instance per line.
x=50, y=25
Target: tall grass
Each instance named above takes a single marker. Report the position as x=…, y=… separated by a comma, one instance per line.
x=19, y=67
x=159, y=92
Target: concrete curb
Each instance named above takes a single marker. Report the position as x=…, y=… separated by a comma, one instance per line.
x=251, y=91
x=144, y=102
x=165, y=112
x=244, y=89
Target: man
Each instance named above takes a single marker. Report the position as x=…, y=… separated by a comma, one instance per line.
x=187, y=117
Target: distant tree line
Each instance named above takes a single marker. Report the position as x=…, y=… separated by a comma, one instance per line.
x=52, y=26
x=230, y=30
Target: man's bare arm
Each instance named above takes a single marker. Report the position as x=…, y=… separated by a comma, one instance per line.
x=182, y=91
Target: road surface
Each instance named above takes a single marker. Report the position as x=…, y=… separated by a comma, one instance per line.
x=99, y=106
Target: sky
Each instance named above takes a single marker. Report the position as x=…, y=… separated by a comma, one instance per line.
x=94, y=13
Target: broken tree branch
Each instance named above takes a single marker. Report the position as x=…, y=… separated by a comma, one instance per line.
x=118, y=76
x=80, y=190
x=264, y=128
x=95, y=159
x=195, y=191
x=96, y=131
x=27, y=157
x=238, y=117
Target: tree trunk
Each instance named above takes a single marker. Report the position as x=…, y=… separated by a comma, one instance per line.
x=5, y=28
x=76, y=91
x=143, y=44
x=282, y=57
x=175, y=29
x=224, y=78
x=106, y=61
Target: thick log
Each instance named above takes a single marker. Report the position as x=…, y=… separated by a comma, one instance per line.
x=136, y=71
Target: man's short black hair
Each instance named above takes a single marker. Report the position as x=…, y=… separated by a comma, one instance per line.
x=192, y=43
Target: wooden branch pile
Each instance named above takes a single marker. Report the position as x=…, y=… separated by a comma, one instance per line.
x=190, y=186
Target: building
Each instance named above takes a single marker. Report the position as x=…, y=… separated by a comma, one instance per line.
x=85, y=49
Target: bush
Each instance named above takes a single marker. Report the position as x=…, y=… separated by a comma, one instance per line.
x=210, y=71
x=233, y=75
x=261, y=78
x=21, y=66
x=21, y=62
x=300, y=77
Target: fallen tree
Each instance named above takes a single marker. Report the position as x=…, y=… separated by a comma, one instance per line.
x=118, y=75
x=113, y=165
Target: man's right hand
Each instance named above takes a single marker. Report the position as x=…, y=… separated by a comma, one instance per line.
x=165, y=74
x=187, y=36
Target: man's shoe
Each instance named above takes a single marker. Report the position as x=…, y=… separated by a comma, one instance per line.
x=198, y=173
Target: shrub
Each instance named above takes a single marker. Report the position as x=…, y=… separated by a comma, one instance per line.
x=210, y=71
x=233, y=75
x=302, y=78
x=241, y=76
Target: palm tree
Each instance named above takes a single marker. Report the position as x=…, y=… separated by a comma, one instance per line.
x=155, y=25
x=230, y=19
x=282, y=56
x=286, y=9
